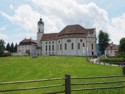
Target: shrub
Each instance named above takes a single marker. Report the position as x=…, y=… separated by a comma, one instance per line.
x=121, y=55
x=112, y=59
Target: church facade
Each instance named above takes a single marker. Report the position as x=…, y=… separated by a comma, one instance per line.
x=73, y=40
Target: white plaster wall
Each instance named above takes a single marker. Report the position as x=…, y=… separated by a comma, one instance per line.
x=69, y=51
x=91, y=41
x=41, y=27
x=110, y=53
x=23, y=48
x=48, y=43
x=39, y=37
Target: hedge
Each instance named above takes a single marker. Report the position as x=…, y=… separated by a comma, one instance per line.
x=112, y=59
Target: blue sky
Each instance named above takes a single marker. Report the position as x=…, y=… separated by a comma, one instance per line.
x=18, y=18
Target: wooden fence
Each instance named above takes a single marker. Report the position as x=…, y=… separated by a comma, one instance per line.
x=68, y=84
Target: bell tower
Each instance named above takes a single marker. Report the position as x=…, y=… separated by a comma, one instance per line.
x=41, y=26
x=40, y=31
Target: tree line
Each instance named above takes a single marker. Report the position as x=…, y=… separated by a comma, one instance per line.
x=11, y=48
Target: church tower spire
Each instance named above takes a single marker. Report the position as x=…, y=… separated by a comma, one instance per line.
x=41, y=26
x=40, y=32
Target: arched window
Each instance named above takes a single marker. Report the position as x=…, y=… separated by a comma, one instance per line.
x=65, y=46
x=92, y=46
x=72, y=46
x=78, y=45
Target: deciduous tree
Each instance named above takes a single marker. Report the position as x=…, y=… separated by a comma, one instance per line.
x=103, y=39
x=122, y=46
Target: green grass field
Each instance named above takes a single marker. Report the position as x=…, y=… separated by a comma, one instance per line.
x=27, y=68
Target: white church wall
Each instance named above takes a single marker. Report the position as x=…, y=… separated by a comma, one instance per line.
x=69, y=42
x=24, y=48
x=47, y=47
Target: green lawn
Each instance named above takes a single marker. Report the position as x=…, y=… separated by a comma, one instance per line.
x=27, y=68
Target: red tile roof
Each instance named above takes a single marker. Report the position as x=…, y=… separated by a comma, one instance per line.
x=27, y=42
x=70, y=31
x=112, y=46
x=50, y=36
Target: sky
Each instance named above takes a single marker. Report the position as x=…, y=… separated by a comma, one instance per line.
x=19, y=18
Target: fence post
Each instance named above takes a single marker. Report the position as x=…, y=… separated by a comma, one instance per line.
x=123, y=70
x=67, y=84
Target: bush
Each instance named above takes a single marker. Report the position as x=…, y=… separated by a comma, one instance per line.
x=121, y=55
x=112, y=59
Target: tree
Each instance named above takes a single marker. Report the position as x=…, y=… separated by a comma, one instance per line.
x=15, y=48
x=103, y=41
x=122, y=47
x=2, y=47
x=12, y=48
x=8, y=47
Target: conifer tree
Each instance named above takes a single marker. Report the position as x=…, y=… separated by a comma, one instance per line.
x=15, y=48
x=8, y=47
x=12, y=47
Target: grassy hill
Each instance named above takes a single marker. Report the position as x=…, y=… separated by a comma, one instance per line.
x=27, y=68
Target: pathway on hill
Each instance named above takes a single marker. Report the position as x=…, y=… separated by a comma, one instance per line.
x=96, y=61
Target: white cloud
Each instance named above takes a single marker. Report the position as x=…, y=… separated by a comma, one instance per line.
x=71, y=12
x=56, y=14
x=3, y=36
x=11, y=6
x=117, y=28
x=88, y=15
x=2, y=28
x=27, y=18
x=24, y=16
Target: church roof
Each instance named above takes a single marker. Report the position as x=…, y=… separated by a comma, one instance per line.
x=74, y=29
x=70, y=31
x=50, y=36
x=27, y=42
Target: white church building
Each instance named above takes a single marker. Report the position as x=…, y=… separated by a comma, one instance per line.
x=73, y=40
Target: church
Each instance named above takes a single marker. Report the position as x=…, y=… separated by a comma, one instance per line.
x=72, y=40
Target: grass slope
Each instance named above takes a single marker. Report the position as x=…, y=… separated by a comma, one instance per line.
x=27, y=68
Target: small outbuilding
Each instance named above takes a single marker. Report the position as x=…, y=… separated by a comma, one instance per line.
x=111, y=50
